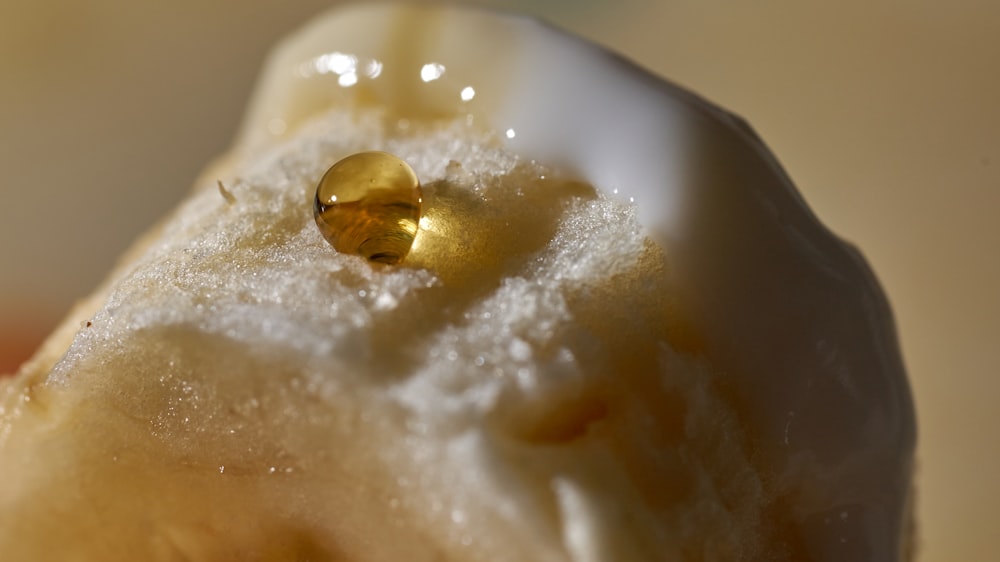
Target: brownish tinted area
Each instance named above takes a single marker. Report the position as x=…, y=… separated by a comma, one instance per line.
x=18, y=341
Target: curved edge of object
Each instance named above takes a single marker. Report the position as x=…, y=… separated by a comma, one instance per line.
x=790, y=312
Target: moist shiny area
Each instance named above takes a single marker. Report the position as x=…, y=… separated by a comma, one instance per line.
x=368, y=204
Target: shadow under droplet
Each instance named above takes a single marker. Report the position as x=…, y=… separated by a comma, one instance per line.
x=471, y=240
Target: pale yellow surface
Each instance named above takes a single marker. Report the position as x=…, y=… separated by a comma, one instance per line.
x=884, y=115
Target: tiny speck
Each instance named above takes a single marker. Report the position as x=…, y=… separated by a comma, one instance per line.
x=222, y=469
x=277, y=126
x=229, y=197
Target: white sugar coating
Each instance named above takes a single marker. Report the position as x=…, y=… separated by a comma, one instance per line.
x=515, y=390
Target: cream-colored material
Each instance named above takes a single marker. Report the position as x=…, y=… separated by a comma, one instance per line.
x=242, y=388
x=538, y=381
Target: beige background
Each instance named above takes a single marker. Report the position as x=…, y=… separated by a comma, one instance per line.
x=886, y=114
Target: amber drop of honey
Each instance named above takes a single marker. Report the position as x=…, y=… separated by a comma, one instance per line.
x=369, y=204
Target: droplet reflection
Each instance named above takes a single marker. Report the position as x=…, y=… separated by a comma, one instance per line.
x=368, y=204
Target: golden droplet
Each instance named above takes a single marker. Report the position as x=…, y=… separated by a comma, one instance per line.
x=369, y=204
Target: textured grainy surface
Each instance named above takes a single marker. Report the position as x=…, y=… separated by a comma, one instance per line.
x=512, y=392
x=882, y=114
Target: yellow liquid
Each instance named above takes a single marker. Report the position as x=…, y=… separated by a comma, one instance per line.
x=368, y=204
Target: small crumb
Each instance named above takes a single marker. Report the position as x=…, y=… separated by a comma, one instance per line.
x=225, y=193
x=89, y=323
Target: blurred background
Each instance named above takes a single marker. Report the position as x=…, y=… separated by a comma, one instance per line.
x=886, y=115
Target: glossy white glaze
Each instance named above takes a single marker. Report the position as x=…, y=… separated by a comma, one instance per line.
x=791, y=313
